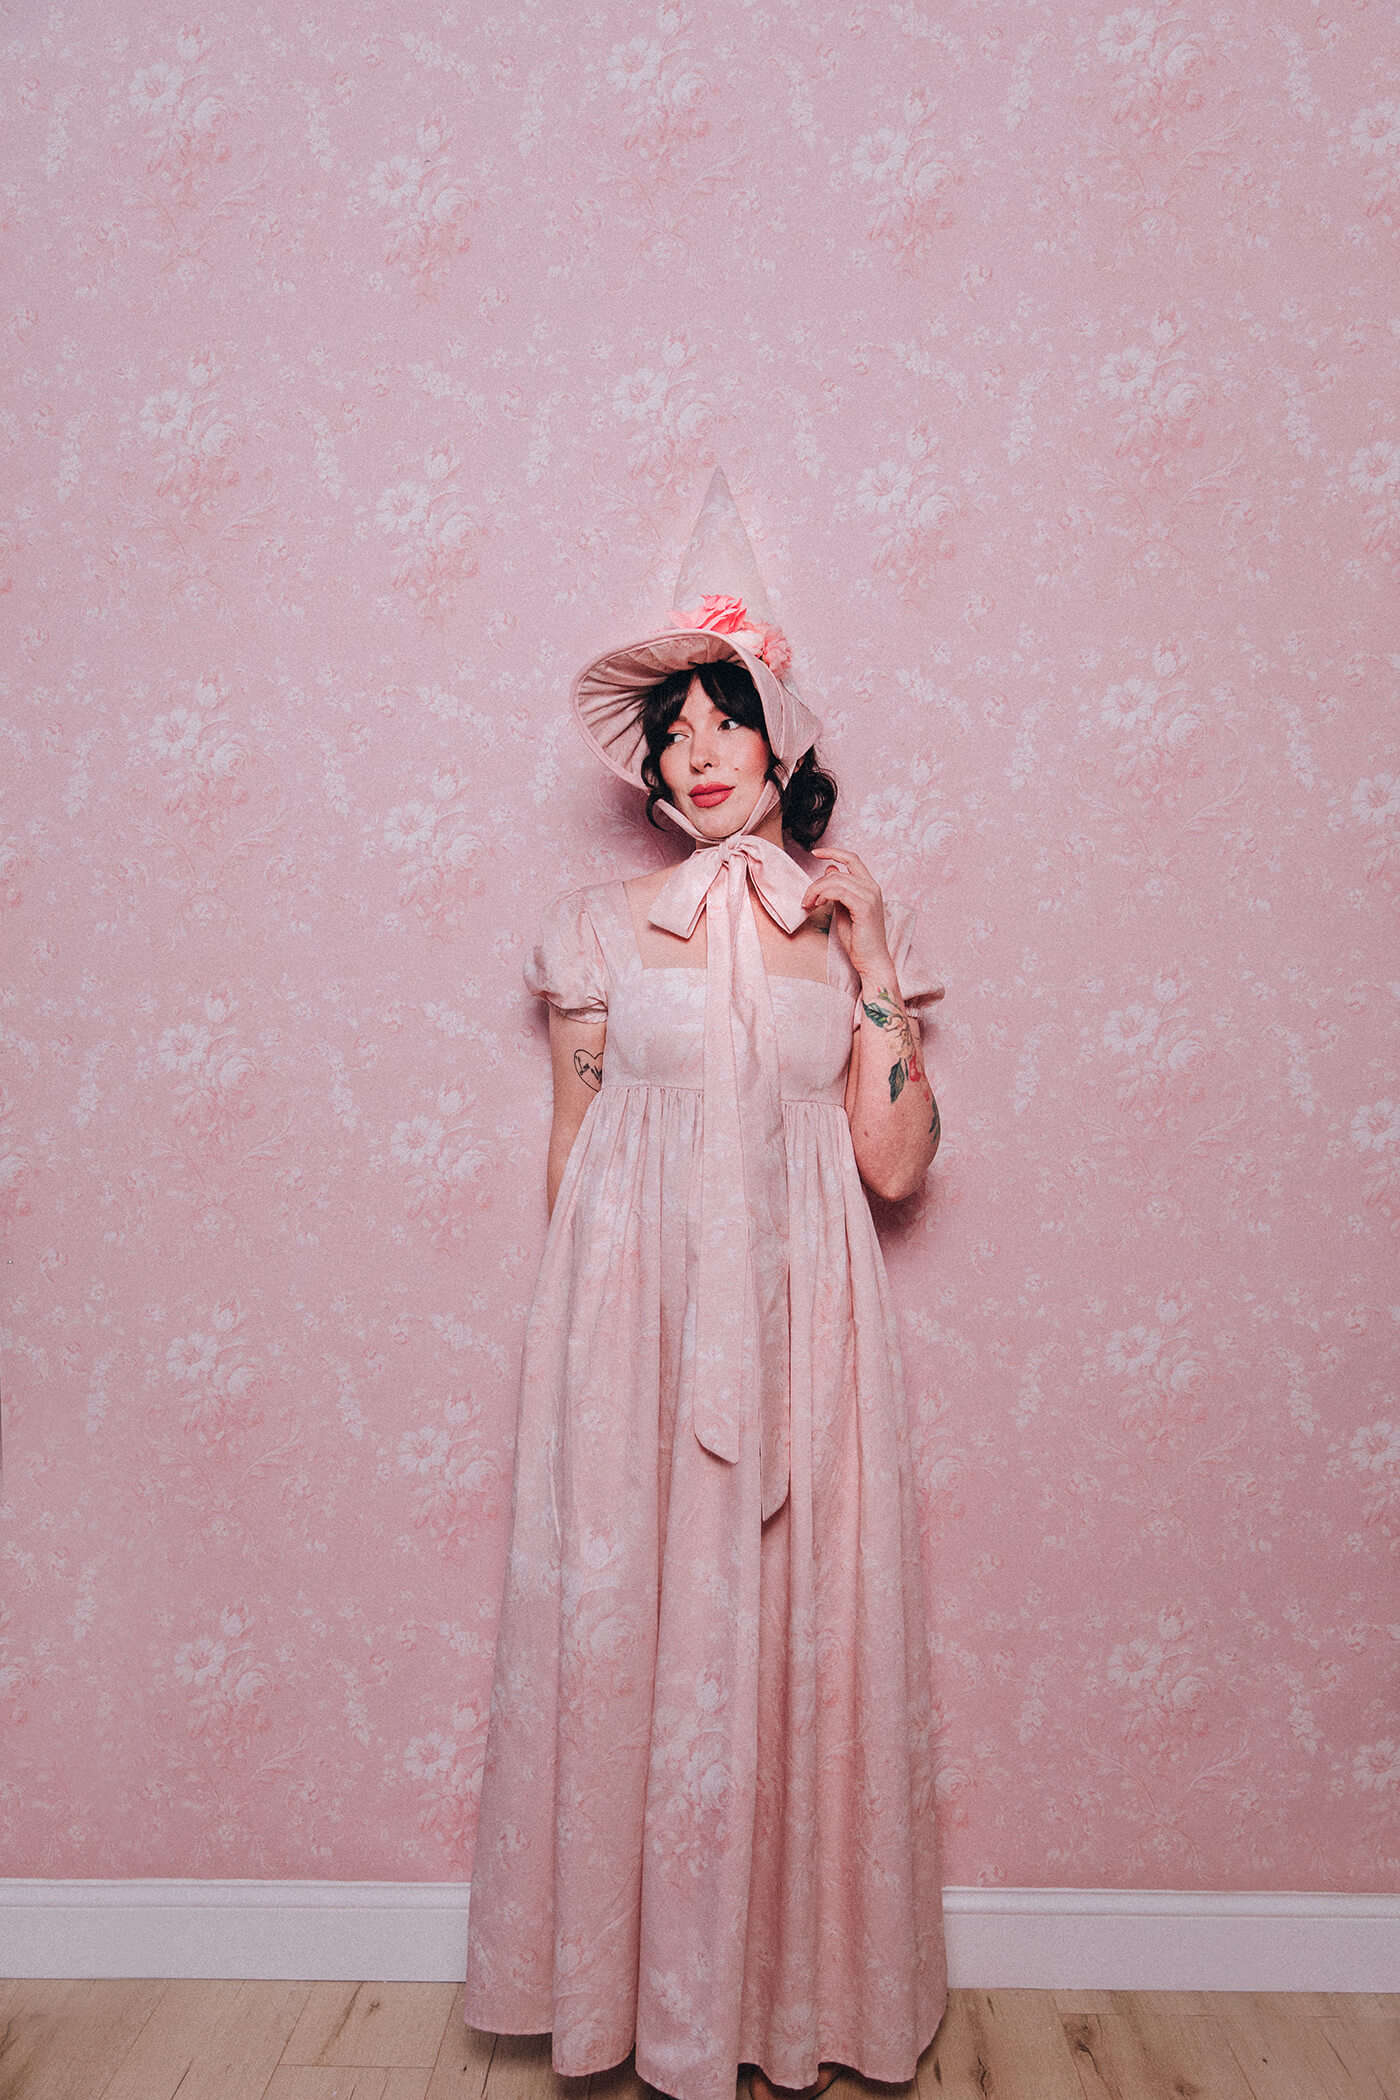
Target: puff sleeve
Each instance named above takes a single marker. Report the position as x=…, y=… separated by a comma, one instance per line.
x=919, y=982
x=566, y=965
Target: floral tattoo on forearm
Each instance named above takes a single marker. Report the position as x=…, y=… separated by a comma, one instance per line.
x=887, y=1011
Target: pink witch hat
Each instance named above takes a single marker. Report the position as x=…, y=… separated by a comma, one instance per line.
x=721, y=613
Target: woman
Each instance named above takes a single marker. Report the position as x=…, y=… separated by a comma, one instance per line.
x=707, y=1813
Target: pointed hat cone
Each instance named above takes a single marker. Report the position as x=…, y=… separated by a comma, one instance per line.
x=608, y=693
x=720, y=560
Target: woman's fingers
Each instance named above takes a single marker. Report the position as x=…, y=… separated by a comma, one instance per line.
x=847, y=885
x=848, y=867
x=840, y=853
x=854, y=873
x=832, y=892
x=840, y=889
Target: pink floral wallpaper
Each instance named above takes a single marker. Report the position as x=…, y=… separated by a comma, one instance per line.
x=364, y=369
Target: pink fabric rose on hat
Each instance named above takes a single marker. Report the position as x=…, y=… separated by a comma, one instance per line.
x=728, y=615
x=773, y=648
x=718, y=616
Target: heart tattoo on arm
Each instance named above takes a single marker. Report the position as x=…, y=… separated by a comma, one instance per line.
x=589, y=1069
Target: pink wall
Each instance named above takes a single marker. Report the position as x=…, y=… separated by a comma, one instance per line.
x=365, y=368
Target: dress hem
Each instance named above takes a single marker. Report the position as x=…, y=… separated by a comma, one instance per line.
x=847, y=2060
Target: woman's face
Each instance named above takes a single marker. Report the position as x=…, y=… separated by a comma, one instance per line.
x=714, y=767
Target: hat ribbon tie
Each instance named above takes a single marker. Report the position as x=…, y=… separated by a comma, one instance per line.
x=738, y=1345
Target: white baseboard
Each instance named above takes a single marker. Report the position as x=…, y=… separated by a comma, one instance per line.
x=342, y=1931
x=1171, y=1940
x=386, y=1931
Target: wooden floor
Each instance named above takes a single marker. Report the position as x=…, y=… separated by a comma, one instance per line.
x=406, y=2041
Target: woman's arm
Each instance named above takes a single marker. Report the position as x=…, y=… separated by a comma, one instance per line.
x=889, y=1102
x=576, y=1055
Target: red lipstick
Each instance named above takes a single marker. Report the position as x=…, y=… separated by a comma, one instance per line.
x=710, y=797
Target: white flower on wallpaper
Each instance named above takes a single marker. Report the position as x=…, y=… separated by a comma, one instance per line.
x=434, y=529
x=1375, y=469
x=205, y=758
x=954, y=1774
x=228, y=1683
x=1375, y=131
x=457, y=1475
x=1159, y=1376
x=426, y=205
x=914, y=505
x=17, y=1682
x=193, y=439
x=17, y=1163
x=909, y=828
x=1375, y=1454
x=211, y=1067
x=218, y=1378
x=183, y=113
x=13, y=862
x=1375, y=804
x=1156, y=1049
x=1163, y=1684
x=1375, y=1770
x=910, y=170
x=664, y=90
x=445, y=1769
x=1156, y=726
x=668, y=413
x=436, y=842
x=442, y=1156
x=1375, y=1131
x=1375, y=472
x=1160, y=399
x=1156, y=64
x=1377, y=1128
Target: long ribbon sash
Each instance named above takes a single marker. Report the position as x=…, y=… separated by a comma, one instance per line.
x=739, y=1373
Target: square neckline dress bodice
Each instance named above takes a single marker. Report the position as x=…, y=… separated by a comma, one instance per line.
x=707, y=1824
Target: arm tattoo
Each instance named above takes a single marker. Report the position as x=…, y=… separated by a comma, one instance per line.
x=886, y=1011
x=589, y=1069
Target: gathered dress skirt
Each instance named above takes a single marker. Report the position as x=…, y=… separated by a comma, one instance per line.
x=707, y=1822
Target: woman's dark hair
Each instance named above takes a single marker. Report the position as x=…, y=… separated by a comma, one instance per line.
x=808, y=798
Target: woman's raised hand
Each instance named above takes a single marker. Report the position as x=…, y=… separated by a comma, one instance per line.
x=848, y=885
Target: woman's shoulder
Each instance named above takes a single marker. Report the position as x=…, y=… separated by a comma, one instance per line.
x=597, y=904
x=581, y=895
x=642, y=888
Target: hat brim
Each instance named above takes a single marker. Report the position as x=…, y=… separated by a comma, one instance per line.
x=607, y=694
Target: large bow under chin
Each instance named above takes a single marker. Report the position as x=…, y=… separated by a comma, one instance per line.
x=739, y=1314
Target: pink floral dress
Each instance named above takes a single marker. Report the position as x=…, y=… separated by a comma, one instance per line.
x=707, y=1817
